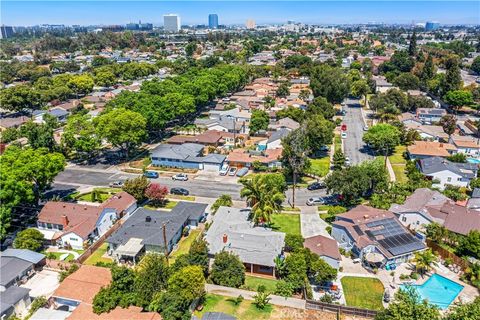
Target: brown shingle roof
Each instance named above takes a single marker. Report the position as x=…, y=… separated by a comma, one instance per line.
x=431, y=148
x=84, y=311
x=323, y=246
x=120, y=202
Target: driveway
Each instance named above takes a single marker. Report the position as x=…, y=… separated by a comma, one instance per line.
x=311, y=224
x=43, y=283
x=353, y=145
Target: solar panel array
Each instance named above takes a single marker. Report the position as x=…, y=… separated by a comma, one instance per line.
x=390, y=227
x=396, y=239
x=402, y=243
x=358, y=230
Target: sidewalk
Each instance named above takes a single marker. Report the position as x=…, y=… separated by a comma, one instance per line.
x=248, y=295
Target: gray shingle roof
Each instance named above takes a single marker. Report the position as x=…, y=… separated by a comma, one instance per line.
x=10, y=297
x=278, y=135
x=151, y=232
x=24, y=254
x=11, y=268
x=184, y=151
x=255, y=245
x=214, y=158
x=436, y=164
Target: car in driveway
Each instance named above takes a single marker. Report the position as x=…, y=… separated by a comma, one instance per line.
x=180, y=191
x=180, y=177
x=224, y=170
x=365, y=128
x=317, y=186
x=151, y=174
x=242, y=172
x=116, y=184
x=232, y=171
x=315, y=201
x=347, y=161
x=344, y=135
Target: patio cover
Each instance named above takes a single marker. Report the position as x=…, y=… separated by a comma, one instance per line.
x=374, y=257
x=131, y=248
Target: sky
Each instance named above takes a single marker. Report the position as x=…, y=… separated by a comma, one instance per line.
x=27, y=13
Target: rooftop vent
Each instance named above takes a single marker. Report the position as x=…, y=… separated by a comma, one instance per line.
x=148, y=219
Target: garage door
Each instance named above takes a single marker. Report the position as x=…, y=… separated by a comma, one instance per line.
x=211, y=167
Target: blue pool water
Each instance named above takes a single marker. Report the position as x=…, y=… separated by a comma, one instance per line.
x=438, y=290
x=473, y=160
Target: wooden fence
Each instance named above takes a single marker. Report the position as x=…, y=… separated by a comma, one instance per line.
x=444, y=253
x=88, y=252
x=340, y=310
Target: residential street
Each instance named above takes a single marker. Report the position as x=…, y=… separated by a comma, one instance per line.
x=354, y=147
x=76, y=177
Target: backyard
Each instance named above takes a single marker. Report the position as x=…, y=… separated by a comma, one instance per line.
x=185, y=244
x=286, y=222
x=363, y=292
x=97, y=256
x=252, y=283
x=398, y=163
x=244, y=310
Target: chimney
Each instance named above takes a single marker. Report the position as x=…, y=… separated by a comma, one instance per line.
x=365, y=216
x=441, y=145
x=225, y=238
x=65, y=220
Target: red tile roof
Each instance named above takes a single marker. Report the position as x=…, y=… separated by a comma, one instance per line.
x=84, y=311
x=120, y=202
x=323, y=246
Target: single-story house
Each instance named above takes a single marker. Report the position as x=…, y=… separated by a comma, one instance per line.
x=224, y=124
x=467, y=145
x=457, y=219
x=325, y=248
x=72, y=224
x=14, y=301
x=381, y=84
x=187, y=156
x=13, y=121
x=143, y=230
x=425, y=149
x=427, y=132
x=430, y=115
x=257, y=247
x=49, y=314
x=241, y=158
x=474, y=200
x=285, y=123
x=17, y=265
x=232, y=114
x=414, y=213
x=58, y=113
x=375, y=236
x=444, y=172
x=275, y=140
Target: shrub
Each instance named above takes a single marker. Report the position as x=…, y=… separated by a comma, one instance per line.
x=228, y=270
x=326, y=298
x=284, y=289
x=293, y=242
x=238, y=300
x=414, y=275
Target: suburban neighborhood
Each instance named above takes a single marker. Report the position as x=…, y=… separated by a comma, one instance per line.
x=296, y=170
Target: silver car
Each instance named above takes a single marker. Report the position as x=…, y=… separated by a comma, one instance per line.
x=180, y=177
x=315, y=201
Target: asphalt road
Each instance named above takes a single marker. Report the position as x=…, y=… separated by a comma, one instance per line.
x=80, y=177
x=354, y=147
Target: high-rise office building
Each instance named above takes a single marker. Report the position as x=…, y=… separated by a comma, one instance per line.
x=213, y=21
x=250, y=24
x=432, y=25
x=171, y=23
x=6, y=32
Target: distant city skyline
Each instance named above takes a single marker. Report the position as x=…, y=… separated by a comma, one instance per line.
x=27, y=13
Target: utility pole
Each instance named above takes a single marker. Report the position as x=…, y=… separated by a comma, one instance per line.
x=165, y=240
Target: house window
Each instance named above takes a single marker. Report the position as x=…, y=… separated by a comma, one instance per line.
x=449, y=179
x=459, y=179
x=404, y=219
x=73, y=239
x=49, y=226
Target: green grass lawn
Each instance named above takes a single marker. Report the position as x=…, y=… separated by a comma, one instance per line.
x=290, y=209
x=320, y=167
x=252, y=283
x=180, y=197
x=338, y=143
x=363, y=292
x=97, y=256
x=285, y=222
x=246, y=310
x=105, y=193
x=399, y=172
x=59, y=254
x=398, y=163
x=185, y=243
x=323, y=208
x=169, y=205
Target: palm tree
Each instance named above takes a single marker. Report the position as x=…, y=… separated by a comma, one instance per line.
x=424, y=261
x=264, y=194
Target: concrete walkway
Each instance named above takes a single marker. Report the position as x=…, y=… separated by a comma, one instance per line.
x=311, y=224
x=249, y=295
x=391, y=173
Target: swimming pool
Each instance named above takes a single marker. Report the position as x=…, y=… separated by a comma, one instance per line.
x=438, y=290
x=473, y=160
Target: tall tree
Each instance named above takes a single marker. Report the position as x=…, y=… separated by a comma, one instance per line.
x=428, y=70
x=151, y=276
x=412, y=47
x=453, y=78
x=30, y=239
x=383, y=137
x=137, y=187
x=259, y=121
x=79, y=135
x=424, y=261
x=227, y=270
x=449, y=124
x=329, y=82
x=459, y=98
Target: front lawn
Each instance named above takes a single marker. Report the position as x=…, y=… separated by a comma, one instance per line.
x=97, y=256
x=245, y=310
x=185, y=243
x=102, y=193
x=170, y=204
x=286, y=222
x=180, y=197
x=338, y=142
x=320, y=167
x=252, y=283
x=363, y=292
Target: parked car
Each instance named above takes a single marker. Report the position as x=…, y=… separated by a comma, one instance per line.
x=179, y=191
x=242, y=172
x=324, y=148
x=180, y=177
x=232, y=171
x=344, y=135
x=116, y=184
x=224, y=170
x=347, y=161
x=365, y=128
x=315, y=201
x=344, y=127
x=151, y=174
x=317, y=186
x=343, y=112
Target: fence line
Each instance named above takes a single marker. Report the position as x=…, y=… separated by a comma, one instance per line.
x=339, y=309
x=444, y=253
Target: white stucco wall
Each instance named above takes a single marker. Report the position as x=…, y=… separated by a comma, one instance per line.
x=74, y=240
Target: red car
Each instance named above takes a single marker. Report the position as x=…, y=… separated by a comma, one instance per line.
x=344, y=127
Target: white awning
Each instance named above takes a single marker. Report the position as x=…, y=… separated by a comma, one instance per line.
x=131, y=248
